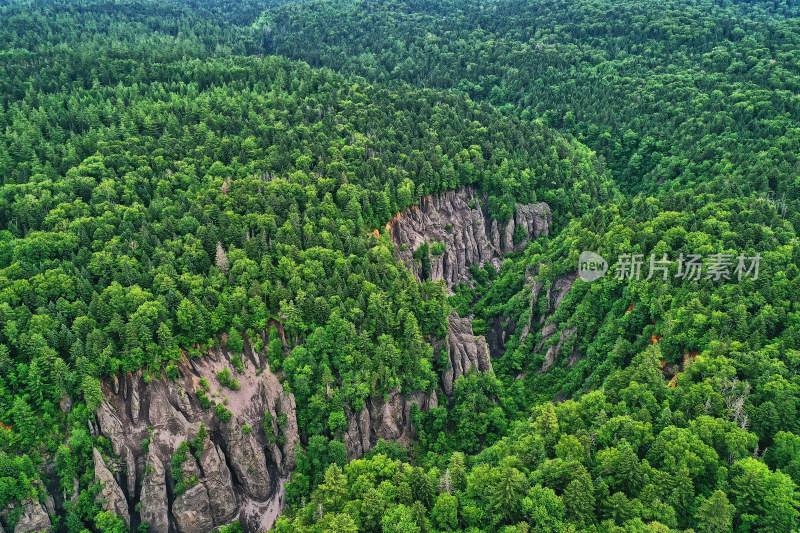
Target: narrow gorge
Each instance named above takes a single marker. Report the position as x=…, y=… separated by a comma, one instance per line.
x=190, y=454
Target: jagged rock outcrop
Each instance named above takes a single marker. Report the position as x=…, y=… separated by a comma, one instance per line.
x=34, y=518
x=239, y=473
x=460, y=220
x=155, y=506
x=464, y=351
x=554, y=295
x=388, y=419
x=250, y=465
x=110, y=497
x=555, y=349
x=212, y=502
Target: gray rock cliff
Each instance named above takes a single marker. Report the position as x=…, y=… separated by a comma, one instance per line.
x=464, y=351
x=460, y=220
x=238, y=472
x=388, y=419
x=111, y=497
x=155, y=505
x=34, y=518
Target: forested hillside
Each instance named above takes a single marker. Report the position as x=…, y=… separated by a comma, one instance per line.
x=191, y=184
x=693, y=103
x=682, y=90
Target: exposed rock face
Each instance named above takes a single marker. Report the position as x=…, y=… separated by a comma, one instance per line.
x=250, y=465
x=554, y=295
x=237, y=475
x=555, y=349
x=34, y=518
x=155, y=506
x=459, y=219
x=388, y=420
x=212, y=502
x=241, y=475
x=192, y=510
x=464, y=351
x=111, y=497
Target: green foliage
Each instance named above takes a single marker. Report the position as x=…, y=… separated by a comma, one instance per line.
x=580, y=463
x=204, y=400
x=227, y=380
x=422, y=254
x=235, y=527
x=715, y=513
x=197, y=445
x=107, y=522
x=588, y=69
x=445, y=512
x=222, y=413
x=275, y=354
x=164, y=185
x=178, y=460
x=400, y=520
x=235, y=344
x=172, y=372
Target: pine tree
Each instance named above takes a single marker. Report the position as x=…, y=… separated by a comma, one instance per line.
x=715, y=514
x=505, y=495
x=333, y=490
x=456, y=470
x=421, y=487
x=445, y=512
x=579, y=498
x=547, y=425
x=275, y=353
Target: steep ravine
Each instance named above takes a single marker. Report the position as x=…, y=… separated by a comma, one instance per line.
x=459, y=219
x=239, y=475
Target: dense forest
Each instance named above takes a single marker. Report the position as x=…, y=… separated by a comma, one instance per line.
x=664, y=91
x=180, y=176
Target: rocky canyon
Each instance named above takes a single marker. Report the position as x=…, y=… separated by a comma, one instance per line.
x=188, y=454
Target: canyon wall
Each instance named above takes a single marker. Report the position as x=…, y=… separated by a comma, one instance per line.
x=237, y=472
x=459, y=219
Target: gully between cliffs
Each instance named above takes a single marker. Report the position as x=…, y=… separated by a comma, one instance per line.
x=235, y=475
